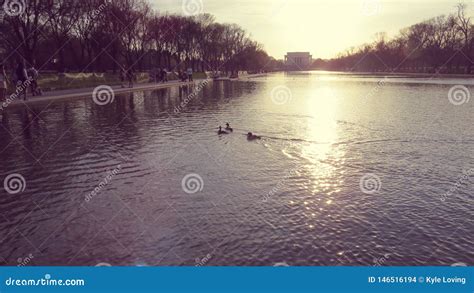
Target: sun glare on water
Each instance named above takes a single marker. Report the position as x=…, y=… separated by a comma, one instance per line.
x=324, y=158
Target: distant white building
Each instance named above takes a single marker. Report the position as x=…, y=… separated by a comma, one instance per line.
x=298, y=60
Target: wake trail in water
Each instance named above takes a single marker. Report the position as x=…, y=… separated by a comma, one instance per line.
x=269, y=137
x=303, y=140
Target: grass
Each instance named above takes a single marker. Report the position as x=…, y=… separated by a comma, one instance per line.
x=50, y=82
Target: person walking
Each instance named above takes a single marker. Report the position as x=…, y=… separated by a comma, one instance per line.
x=190, y=74
x=151, y=75
x=182, y=76
x=123, y=77
x=33, y=75
x=130, y=77
x=22, y=77
x=158, y=75
x=3, y=83
x=164, y=75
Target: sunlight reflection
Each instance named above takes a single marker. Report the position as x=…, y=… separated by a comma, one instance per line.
x=325, y=159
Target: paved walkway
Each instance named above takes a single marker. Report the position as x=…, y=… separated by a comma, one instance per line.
x=87, y=92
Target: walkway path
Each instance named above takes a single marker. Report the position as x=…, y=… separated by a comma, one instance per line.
x=87, y=92
x=53, y=96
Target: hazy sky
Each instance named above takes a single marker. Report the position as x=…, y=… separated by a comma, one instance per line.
x=323, y=27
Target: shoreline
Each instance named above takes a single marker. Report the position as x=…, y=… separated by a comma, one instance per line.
x=59, y=95
x=54, y=96
x=395, y=74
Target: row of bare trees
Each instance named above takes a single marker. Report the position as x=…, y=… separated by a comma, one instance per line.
x=101, y=35
x=443, y=44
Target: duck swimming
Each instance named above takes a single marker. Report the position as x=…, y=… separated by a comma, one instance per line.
x=228, y=128
x=251, y=136
x=220, y=131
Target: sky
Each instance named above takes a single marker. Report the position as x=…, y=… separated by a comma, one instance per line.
x=321, y=27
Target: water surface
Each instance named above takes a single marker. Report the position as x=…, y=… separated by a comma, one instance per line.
x=294, y=197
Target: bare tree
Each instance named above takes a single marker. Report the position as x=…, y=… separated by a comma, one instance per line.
x=21, y=34
x=62, y=18
x=105, y=35
x=465, y=27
